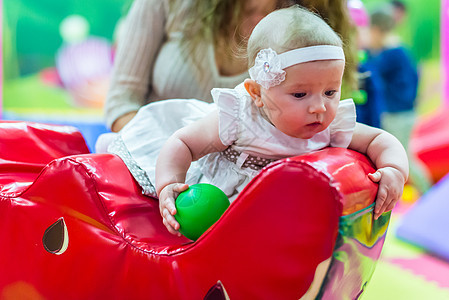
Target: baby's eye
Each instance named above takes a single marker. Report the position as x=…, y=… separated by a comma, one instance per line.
x=299, y=95
x=330, y=93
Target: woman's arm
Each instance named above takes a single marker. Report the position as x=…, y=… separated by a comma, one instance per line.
x=138, y=45
x=391, y=161
x=184, y=146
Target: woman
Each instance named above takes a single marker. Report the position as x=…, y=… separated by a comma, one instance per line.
x=183, y=48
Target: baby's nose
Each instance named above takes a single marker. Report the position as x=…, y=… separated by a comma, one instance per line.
x=317, y=106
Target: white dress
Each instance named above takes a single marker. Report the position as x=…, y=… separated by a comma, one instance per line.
x=250, y=137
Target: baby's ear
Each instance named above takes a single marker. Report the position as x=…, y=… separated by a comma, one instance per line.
x=253, y=89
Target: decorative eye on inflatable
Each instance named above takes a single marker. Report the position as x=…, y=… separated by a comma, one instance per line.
x=56, y=237
x=217, y=292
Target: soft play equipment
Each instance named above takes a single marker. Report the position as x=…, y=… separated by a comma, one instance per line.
x=445, y=49
x=33, y=29
x=430, y=139
x=430, y=143
x=84, y=68
x=426, y=223
x=83, y=62
x=75, y=225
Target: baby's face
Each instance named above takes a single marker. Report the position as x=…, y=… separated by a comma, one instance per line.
x=306, y=102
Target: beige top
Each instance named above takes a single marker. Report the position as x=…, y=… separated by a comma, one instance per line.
x=151, y=66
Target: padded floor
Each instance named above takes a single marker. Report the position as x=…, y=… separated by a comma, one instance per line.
x=406, y=272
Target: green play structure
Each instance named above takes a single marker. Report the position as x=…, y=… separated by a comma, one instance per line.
x=31, y=29
x=421, y=28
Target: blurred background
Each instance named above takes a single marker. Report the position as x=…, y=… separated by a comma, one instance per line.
x=57, y=56
x=420, y=32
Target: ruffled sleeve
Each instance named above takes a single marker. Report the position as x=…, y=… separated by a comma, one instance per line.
x=228, y=103
x=342, y=128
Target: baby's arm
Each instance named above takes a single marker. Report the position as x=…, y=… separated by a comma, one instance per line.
x=186, y=145
x=391, y=161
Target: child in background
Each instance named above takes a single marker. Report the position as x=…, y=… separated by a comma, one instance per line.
x=399, y=11
x=290, y=106
x=399, y=86
x=368, y=100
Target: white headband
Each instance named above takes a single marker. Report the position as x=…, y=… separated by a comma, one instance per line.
x=268, y=68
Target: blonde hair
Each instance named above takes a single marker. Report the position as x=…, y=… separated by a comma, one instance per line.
x=295, y=27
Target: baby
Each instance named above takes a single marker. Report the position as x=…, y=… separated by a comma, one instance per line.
x=290, y=106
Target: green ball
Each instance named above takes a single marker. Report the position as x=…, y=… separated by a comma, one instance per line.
x=198, y=208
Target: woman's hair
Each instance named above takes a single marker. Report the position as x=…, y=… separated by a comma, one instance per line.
x=218, y=20
x=211, y=19
x=290, y=28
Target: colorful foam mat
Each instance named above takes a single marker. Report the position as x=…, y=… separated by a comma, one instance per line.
x=405, y=271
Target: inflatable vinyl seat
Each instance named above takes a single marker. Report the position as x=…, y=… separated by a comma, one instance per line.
x=429, y=142
x=78, y=227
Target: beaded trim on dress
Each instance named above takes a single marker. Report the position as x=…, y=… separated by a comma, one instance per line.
x=253, y=162
x=118, y=147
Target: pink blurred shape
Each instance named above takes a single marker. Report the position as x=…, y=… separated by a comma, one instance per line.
x=358, y=13
x=84, y=70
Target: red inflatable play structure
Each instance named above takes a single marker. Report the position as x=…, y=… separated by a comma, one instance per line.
x=430, y=143
x=75, y=225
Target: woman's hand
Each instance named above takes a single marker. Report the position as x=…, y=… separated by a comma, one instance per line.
x=391, y=184
x=167, y=207
x=122, y=121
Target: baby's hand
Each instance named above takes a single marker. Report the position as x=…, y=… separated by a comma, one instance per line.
x=167, y=205
x=391, y=184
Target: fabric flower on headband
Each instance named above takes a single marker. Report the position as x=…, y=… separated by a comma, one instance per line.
x=267, y=70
